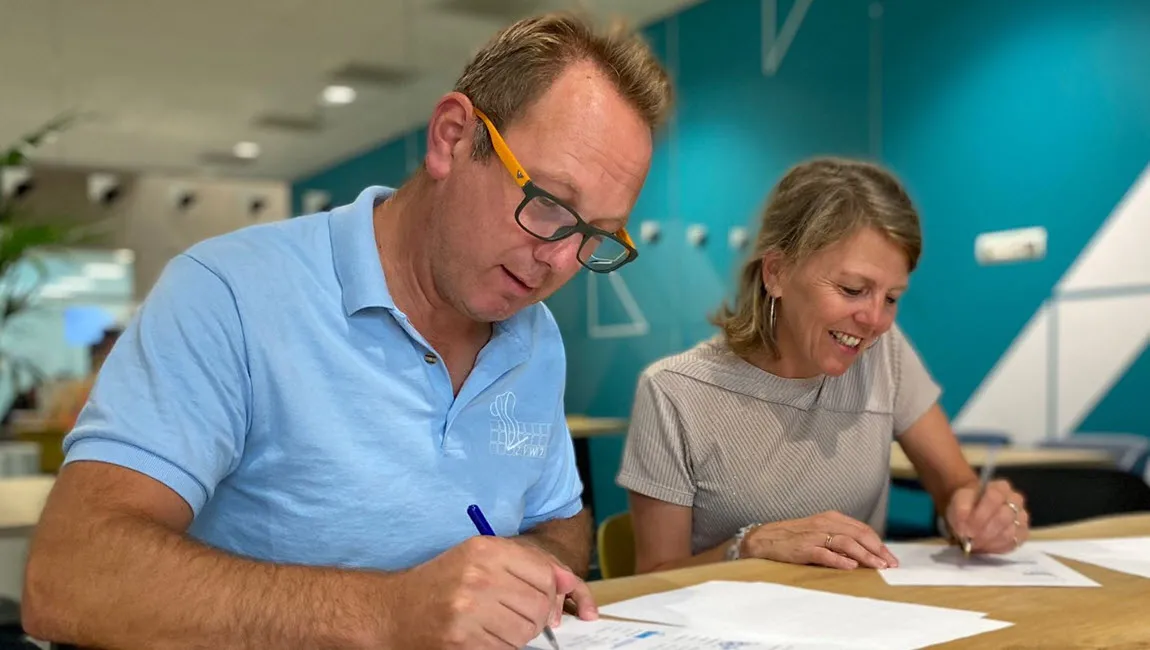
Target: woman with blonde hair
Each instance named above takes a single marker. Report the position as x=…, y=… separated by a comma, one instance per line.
x=772, y=439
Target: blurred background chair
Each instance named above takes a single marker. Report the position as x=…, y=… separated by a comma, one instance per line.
x=1058, y=495
x=1129, y=450
x=982, y=437
x=616, y=546
x=12, y=635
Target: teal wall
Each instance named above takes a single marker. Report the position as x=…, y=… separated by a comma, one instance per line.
x=735, y=132
x=387, y=164
x=997, y=115
x=1011, y=114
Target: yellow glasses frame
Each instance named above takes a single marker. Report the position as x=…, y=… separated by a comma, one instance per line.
x=522, y=178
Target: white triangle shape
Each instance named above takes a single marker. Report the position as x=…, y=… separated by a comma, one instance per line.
x=1116, y=256
x=1098, y=339
x=637, y=323
x=1014, y=396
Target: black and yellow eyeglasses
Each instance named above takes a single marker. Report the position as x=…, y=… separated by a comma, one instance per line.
x=550, y=219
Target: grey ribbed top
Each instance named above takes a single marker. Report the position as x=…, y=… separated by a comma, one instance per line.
x=741, y=445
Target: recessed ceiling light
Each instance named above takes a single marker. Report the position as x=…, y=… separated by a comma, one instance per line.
x=246, y=150
x=338, y=95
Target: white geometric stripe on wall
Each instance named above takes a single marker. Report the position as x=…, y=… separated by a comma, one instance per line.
x=1079, y=343
x=1099, y=338
x=636, y=324
x=1014, y=397
x=1122, y=259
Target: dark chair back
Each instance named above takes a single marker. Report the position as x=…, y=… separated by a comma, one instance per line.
x=1057, y=495
x=12, y=635
x=982, y=437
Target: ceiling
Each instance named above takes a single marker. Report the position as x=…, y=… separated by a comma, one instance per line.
x=172, y=85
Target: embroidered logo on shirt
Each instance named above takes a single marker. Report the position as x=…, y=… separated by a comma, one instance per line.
x=510, y=437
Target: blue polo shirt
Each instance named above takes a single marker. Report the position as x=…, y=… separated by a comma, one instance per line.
x=271, y=382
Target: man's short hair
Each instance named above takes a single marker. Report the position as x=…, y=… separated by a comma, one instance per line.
x=519, y=64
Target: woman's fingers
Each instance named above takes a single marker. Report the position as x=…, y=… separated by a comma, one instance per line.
x=854, y=549
x=825, y=557
x=864, y=536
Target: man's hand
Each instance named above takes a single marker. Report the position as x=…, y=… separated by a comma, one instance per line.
x=485, y=593
x=580, y=596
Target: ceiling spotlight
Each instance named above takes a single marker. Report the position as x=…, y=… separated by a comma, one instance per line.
x=247, y=150
x=338, y=95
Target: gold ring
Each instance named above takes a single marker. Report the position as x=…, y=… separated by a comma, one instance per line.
x=828, y=542
x=1012, y=507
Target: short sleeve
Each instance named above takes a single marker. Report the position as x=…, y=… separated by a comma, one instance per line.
x=558, y=494
x=915, y=390
x=655, y=459
x=172, y=399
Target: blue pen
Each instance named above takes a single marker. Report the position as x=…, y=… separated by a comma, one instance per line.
x=484, y=528
x=479, y=520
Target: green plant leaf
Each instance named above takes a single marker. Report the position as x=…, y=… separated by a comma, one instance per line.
x=12, y=158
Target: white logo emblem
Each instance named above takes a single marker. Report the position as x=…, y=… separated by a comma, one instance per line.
x=510, y=437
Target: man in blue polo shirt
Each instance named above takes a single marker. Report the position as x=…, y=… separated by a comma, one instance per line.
x=282, y=448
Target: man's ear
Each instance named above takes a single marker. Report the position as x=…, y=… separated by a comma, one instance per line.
x=774, y=272
x=449, y=134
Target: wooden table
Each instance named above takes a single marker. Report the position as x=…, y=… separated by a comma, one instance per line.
x=1113, y=616
x=901, y=468
x=21, y=500
x=582, y=426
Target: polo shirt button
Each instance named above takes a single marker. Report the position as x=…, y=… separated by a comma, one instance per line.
x=429, y=358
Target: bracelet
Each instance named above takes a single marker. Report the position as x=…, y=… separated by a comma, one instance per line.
x=733, y=551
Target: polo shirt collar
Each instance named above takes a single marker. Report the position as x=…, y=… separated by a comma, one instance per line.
x=361, y=275
x=355, y=255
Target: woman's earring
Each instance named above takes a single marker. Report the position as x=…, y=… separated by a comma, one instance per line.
x=771, y=315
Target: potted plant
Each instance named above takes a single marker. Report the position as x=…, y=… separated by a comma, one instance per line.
x=23, y=234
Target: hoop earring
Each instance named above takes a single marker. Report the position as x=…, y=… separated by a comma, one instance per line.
x=771, y=316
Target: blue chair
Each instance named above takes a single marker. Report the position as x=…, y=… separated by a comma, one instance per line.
x=1127, y=449
x=982, y=437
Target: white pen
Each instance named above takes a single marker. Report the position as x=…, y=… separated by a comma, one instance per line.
x=983, y=480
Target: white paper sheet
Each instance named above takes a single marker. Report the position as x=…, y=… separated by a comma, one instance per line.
x=606, y=634
x=1125, y=554
x=784, y=614
x=937, y=565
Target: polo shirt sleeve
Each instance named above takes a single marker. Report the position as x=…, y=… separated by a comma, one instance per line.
x=172, y=399
x=558, y=494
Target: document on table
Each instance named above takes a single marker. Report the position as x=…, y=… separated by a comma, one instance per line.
x=605, y=634
x=781, y=614
x=937, y=565
x=1125, y=554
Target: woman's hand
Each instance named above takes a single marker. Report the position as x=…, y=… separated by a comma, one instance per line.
x=829, y=539
x=996, y=523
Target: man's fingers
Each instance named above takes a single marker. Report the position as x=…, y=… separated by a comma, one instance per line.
x=523, y=599
x=557, y=610
x=532, y=567
x=499, y=637
x=569, y=584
